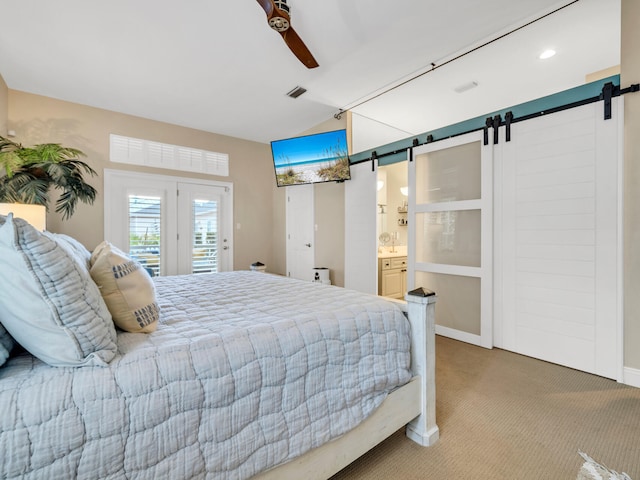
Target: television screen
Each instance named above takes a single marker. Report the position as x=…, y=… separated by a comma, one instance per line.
x=314, y=158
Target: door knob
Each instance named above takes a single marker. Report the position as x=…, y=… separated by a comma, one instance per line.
x=307, y=245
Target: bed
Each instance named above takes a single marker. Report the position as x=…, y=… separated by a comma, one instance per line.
x=247, y=375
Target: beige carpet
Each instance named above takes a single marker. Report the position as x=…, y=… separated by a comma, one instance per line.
x=506, y=416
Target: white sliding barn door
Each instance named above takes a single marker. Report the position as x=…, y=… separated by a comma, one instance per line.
x=558, y=239
x=450, y=234
x=360, y=259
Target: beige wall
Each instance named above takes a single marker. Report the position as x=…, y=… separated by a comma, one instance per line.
x=329, y=213
x=630, y=74
x=4, y=106
x=38, y=119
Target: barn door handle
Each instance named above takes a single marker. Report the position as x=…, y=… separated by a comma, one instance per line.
x=307, y=245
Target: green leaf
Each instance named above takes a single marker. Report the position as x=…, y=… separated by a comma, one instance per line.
x=32, y=171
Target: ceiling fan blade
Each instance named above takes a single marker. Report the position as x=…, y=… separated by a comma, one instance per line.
x=267, y=6
x=298, y=48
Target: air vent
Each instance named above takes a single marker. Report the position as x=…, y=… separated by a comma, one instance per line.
x=296, y=92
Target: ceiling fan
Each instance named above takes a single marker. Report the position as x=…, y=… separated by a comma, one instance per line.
x=280, y=20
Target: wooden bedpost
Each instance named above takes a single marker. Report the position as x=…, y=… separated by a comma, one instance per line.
x=421, y=313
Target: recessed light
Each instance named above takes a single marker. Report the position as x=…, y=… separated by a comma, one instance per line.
x=465, y=87
x=547, y=54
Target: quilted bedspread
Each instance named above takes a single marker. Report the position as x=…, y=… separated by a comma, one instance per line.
x=246, y=371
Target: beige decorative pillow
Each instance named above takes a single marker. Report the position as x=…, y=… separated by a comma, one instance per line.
x=126, y=288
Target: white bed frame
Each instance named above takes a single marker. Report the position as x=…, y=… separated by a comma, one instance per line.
x=413, y=405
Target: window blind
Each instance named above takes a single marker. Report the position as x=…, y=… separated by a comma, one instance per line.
x=135, y=151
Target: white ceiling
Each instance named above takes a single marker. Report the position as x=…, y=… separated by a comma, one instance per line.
x=216, y=65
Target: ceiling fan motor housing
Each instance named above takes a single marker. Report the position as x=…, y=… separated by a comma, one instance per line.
x=280, y=23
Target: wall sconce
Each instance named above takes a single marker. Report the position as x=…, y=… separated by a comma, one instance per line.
x=35, y=215
x=404, y=191
x=380, y=185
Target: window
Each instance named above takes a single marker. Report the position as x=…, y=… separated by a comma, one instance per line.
x=135, y=151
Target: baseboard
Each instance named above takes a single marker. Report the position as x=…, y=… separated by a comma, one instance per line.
x=632, y=376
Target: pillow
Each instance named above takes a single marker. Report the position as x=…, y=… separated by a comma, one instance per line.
x=74, y=246
x=127, y=289
x=6, y=345
x=48, y=302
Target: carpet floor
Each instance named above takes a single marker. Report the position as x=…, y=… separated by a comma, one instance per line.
x=506, y=416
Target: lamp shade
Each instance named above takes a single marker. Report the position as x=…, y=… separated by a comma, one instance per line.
x=36, y=215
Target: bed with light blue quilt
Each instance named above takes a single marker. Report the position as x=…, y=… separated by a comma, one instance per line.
x=245, y=371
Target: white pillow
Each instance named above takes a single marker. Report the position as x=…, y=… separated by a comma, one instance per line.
x=127, y=289
x=48, y=302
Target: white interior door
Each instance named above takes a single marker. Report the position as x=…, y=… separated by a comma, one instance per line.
x=300, y=232
x=450, y=240
x=558, y=228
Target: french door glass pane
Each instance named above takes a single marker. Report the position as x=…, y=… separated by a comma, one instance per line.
x=450, y=174
x=205, y=236
x=458, y=300
x=144, y=231
x=450, y=237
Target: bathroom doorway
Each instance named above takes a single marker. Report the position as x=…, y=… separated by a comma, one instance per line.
x=391, y=229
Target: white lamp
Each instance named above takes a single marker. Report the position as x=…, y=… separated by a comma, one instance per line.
x=404, y=191
x=36, y=215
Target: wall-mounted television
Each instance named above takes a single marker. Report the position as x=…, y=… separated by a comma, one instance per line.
x=317, y=158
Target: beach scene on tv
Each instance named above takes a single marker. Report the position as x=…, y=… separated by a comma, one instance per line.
x=315, y=158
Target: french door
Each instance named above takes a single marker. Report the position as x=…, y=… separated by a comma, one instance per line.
x=170, y=226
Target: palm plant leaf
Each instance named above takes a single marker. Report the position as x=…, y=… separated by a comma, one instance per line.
x=10, y=161
x=24, y=187
x=48, y=153
x=32, y=171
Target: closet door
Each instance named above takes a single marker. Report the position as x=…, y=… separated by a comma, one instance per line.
x=558, y=232
x=450, y=234
x=300, y=220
